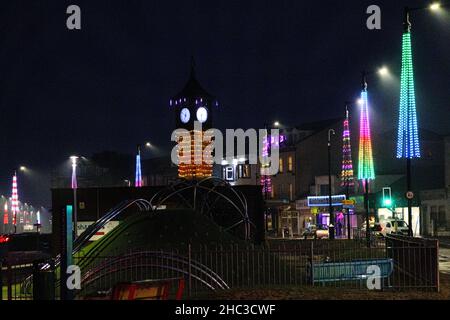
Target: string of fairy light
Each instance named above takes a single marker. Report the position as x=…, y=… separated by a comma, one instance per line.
x=138, y=175
x=366, y=169
x=194, y=163
x=347, y=163
x=408, y=137
x=266, y=181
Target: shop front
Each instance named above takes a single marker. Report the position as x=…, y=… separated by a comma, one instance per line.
x=343, y=209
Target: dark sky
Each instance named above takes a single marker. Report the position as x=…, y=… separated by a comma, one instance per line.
x=107, y=86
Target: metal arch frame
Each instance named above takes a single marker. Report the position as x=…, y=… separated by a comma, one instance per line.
x=202, y=273
x=143, y=206
x=177, y=189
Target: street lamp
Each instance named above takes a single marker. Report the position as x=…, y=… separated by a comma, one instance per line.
x=330, y=202
x=74, y=161
x=383, y=71
x=435, y=6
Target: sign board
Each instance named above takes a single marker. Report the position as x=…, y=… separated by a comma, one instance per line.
x=410, y=195
x=83, y=225
x=301, y=204
x=28, y=227
x=323, y=201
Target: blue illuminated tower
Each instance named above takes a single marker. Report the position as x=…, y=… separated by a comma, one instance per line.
x=138, y=178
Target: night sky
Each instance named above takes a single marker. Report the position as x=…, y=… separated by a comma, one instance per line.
x=107, y=86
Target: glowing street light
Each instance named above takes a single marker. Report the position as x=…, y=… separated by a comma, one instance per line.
x=23, y=168
x=276, y=124
x=148, y=145
x=383, y=71
x=435, y=6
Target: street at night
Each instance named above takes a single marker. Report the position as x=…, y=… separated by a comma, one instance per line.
x=225, y=158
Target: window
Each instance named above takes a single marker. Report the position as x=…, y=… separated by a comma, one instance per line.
x=244, y=171
x=441, y=217
x=290, y=164
x=433, y=214
x=228, y=173
x=280, y=170
x=323, y=188
x=291, y=192
x=388, y=225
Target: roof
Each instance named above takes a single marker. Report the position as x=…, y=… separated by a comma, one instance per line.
x=192, y=88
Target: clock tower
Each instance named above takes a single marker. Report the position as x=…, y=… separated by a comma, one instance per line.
x=192, y=104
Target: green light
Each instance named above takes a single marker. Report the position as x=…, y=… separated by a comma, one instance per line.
x=407, y=135
x=387, y=202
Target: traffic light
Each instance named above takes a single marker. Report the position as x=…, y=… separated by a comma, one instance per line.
x=387, y=197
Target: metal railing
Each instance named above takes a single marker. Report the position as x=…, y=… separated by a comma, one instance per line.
x=293, y=263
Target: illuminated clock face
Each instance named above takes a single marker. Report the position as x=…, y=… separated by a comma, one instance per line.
x=202, y=114
x=185, y=115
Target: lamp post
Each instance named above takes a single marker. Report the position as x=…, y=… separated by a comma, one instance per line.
x=74, y=161
x=366, y=171
x=330, y=198
x=408, y=146
x=347, y=163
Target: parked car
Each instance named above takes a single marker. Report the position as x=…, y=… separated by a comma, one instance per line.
x=394, y=226
x=376, y=229
x=310, y=232
x=315, y=232
x=388, y=226
x=322, y=233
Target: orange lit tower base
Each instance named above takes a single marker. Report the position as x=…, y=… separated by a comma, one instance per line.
x=194, y=163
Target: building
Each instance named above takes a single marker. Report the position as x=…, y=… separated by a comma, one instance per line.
x=435, y=203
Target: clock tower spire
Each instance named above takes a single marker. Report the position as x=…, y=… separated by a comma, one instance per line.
x=193, y=104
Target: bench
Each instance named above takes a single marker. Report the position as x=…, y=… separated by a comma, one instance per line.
x=147, y=290
x=348, y=271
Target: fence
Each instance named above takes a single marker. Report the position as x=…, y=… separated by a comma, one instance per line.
x=416, y=261
x=404, y=264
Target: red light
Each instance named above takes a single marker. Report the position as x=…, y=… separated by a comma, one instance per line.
x=4, y=239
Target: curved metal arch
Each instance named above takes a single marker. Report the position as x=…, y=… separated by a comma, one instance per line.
x=209, y=185
x=215, y=281
x=142, y=204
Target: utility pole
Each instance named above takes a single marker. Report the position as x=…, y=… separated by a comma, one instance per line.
x=330, y=198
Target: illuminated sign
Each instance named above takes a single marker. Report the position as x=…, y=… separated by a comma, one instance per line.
x=323, y=201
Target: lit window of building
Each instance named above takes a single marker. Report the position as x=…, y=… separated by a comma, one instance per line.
x=290, y=164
